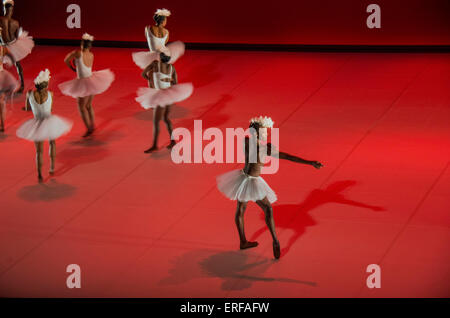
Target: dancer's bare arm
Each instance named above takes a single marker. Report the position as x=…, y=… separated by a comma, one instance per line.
x=174, y=76
x=148, y=74
x=272, y=151
x=69, y=58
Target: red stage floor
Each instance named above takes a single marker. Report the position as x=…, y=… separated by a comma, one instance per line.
x=142, y=226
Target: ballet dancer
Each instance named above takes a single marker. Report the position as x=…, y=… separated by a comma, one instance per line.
x=162, y=92
x=247, y=184
x=8, y=85
x=18, y=42
x=44, y=126
x=88, y=83
x=157, y=37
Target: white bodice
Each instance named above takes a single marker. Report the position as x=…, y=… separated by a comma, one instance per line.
x=154, y=43
x=41, y=111
x=158, y=78
x=82, y=70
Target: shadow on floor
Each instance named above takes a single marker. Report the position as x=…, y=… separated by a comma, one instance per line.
x=296, y=218
x=238, y=270
x=50, y=191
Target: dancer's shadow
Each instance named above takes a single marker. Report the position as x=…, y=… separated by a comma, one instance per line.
x=73, y=157
x=238, y=270
x=295, y=217
x=49, y=191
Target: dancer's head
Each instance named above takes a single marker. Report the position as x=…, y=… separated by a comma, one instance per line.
x=160, y=17
x=86, y=41
x=41, y=81
x=164, y=55
x=259, y=125
x=8, y=7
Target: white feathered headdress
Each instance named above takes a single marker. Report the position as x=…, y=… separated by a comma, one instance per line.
x=44, y=76
x=163, y=12
x=5, y=2
x=87, y=37
x=265, y=122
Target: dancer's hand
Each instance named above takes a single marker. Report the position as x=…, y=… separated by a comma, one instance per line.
x=317, y=164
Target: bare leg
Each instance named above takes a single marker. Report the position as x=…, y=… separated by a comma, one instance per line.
x=52, y=153
x=84, y=113
x=91, y=113
x=169, y=125
x=239, y=219
x=157, y=114
x=39, y=148
x=2, y=112
x=267, y=208
x=20, y=72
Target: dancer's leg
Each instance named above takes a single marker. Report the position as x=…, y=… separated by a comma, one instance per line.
x=52, y=153
x=91, y=113
x=157, y=115
x=39, y=148
x=84, y=113
x=239, y=219
x=2, y=112
x=265, y=205
x=20, y=72
x=169, y=125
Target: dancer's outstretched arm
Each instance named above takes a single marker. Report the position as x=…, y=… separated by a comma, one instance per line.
x=272, y=151
x=69, y=58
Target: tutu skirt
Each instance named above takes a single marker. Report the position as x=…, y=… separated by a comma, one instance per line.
x=21, y=47
x=8, y=83
x=144, y=59
x=49, y=128
x=236, y=185
x=95, y=84
x=150, y=97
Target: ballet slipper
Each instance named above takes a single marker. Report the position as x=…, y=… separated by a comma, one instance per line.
x=247, y=245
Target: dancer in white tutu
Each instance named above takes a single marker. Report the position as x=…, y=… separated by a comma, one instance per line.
x=247, y=184
x=88, y=83
x=44, y=126
x=8, y=85
x=18, y=42
x=157, y=37
x=164, y=91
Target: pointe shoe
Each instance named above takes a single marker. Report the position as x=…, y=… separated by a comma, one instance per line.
x=2, y=129
x=276, y=250
x=88, y=133
x=52, y=171
x=40, y=179
x=247, y=244
x=172, y=144
x=149, y=150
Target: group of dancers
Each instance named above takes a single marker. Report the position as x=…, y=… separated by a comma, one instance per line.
x=242, y=185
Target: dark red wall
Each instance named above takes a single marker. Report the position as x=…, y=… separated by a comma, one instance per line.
x=412, y=22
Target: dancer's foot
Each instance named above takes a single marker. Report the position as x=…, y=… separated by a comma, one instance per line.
x=149, y=150
x=52, y=171
x=20, y=91
x=40, y=179
x=276, y=250
x=88, y=133
x=245, y=245
x=172, y=144
x=2, y=129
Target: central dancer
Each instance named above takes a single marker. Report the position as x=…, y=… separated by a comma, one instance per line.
x=247, y=184
x=88, y=83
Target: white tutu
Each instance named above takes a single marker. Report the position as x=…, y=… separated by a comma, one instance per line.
x=144, y=59
x=95, y=84
x=150, y=97
x=236, y=185
x=21, y=47
x=49, y=128
x=8, y=83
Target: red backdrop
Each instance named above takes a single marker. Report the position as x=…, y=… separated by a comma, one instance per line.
x=412, y=22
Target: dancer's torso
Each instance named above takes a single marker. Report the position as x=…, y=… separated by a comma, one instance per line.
x=254, y=168
x=83, y=71
x=43, y=110
x=162, y=80
x=154, y=42
x=9, y=29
